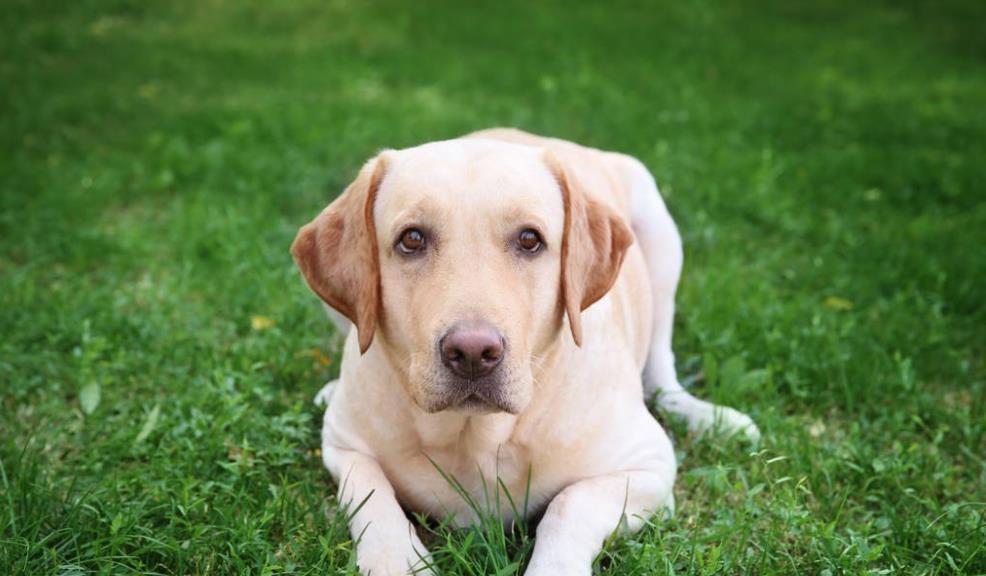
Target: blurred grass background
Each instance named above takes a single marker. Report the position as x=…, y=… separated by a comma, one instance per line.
x=158, y=352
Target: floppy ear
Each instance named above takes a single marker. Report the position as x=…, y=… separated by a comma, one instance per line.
x=595, y=241
x=337, y=253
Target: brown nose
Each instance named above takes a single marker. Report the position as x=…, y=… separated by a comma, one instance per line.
x=472, y=349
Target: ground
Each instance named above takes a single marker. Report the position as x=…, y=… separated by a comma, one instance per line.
x=159, y=352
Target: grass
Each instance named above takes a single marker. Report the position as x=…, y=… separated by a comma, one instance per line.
x=159, y=352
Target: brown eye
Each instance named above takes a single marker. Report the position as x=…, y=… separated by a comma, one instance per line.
x=411, y=241
x=530, y=241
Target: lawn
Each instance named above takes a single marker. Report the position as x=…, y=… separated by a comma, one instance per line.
x=825, y=161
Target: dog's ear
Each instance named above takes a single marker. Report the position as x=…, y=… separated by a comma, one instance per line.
x=593, y=246
x=337, y=253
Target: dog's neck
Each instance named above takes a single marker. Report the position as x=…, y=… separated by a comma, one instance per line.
x=467, y=432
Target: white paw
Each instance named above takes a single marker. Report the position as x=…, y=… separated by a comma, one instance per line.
x=375, y=568
x=325, y=394
x=703, y=417
x=725, y=420
x=392, y=563
x=538, y=566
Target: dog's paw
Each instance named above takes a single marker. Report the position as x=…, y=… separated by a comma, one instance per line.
x=540, y=566
x=727, y=421
x=325, y=394
x=704, y=417
x=390, y=563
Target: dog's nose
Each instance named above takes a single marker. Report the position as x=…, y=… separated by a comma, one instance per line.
x=472, y=349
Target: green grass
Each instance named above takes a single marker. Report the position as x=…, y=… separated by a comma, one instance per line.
x=824, y=160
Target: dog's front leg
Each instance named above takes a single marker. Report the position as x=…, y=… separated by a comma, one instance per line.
x=386, y=542
x=583, y=515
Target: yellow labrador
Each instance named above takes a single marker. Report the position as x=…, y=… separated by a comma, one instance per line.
x=513, y=298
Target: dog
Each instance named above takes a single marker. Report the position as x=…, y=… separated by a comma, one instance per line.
x=513, y=300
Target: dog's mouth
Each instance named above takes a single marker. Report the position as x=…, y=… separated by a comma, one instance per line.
x=473, y=397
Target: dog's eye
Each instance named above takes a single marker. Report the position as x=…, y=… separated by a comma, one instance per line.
x=411, y=241
x=529, y=241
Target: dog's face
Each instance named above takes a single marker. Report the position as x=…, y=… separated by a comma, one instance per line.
x=462, y=257
x=469, y=239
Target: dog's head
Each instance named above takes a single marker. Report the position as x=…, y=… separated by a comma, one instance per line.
x=460, y=260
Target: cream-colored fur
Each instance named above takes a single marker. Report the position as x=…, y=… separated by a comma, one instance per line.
x=571, y=420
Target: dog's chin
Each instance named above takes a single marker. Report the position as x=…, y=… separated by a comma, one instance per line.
x=471, y=397
x=474, y=404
